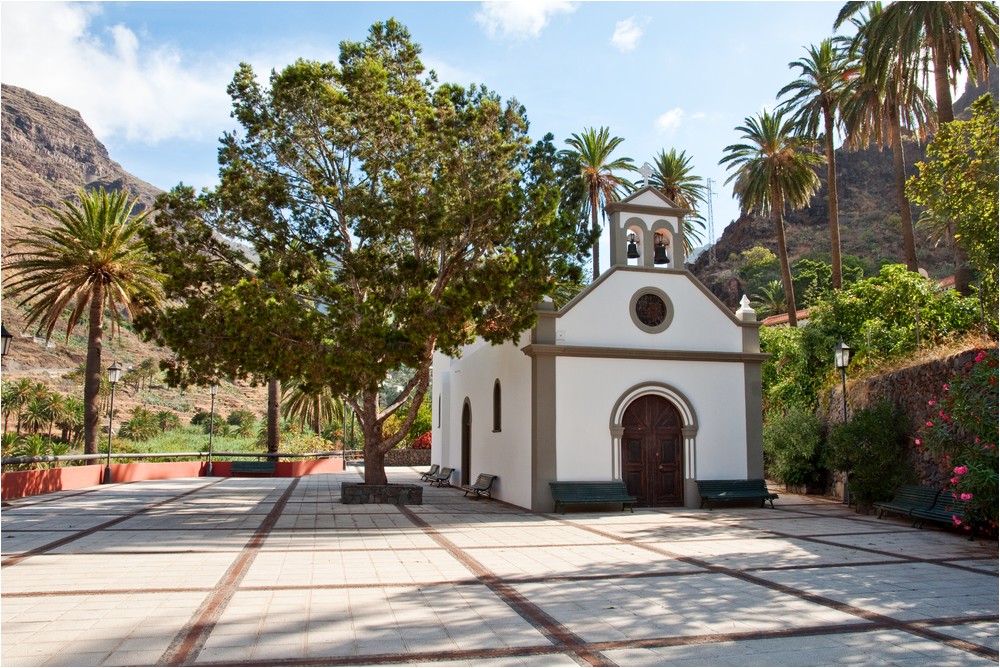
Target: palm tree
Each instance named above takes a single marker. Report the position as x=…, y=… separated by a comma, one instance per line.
x=672, y=176
x=816, y=97
x=593, y=148
x=774, y=169
x=883, y=105
x=938, y=39
x=771, y=298
x=92, y=261
x=318, y=407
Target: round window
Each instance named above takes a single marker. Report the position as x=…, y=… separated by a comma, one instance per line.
x=651, y=310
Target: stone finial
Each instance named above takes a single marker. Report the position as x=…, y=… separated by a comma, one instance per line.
x=647, y=171
x=745, y=312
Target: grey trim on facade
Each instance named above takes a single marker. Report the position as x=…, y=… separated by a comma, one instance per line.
x=548, y=350
x=543, y=432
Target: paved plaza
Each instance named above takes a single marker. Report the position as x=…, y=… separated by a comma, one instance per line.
x=275, y=571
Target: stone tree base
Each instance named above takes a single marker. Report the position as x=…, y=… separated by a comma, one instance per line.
x=397, y=495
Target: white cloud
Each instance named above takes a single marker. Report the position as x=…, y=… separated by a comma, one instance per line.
x=669, y=121
x=627, y=34
x=520, y=19
x=123, y=84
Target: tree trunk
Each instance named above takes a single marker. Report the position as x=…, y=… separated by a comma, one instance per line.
x=831, y=182
x=905, y=216
x=273, y=414
x=371, y=431
x=595, y=201
x=777, y=211
x=942, y=83
x=92, y=377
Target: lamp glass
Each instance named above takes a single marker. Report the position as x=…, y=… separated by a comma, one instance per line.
x=213, y=389
x=7, y=338
x=114, y=373
x=841, y=355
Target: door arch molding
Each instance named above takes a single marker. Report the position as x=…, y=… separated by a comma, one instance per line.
x=689, y=421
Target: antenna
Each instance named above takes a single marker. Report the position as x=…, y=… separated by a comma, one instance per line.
x=711, y=221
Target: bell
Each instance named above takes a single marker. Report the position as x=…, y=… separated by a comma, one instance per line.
x=660, y=251
x=633, y=248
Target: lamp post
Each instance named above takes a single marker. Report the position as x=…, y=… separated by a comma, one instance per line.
x=213, y=389
x=841, y=358
x=114, y=373
x=7, y=337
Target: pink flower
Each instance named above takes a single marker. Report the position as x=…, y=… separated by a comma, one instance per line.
x=960, y=470
x=955, y=481
x=945, y=386
x=930, y=424
x=977, y=439
x=931, y=402
x=917, y=441
x=957, y=520
x=981, y=356
x=966, y=496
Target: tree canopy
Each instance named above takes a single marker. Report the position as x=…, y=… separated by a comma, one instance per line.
x=365, y=217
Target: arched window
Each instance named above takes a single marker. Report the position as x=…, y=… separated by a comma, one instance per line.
x=496, y=405
x=439, y=410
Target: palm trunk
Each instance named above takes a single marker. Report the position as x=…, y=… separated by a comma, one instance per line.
x=831, y=182
x=273, y=404
x=92, y=379
x=942, y=83
x=905, y=216
x=594, y=203
x=777, y=211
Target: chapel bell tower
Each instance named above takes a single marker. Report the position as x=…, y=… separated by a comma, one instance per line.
x=647, y=229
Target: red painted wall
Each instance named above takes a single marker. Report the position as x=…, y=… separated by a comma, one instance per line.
x=19, y=484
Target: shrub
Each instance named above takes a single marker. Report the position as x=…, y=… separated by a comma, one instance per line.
x=201, y=417
x=240, y=417
x=871, y=447
x=793, y=447
x=962, y=426
x=422, y=442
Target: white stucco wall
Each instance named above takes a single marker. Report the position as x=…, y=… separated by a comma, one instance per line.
x=588, y=389
x=506, y=453
x=603, y=317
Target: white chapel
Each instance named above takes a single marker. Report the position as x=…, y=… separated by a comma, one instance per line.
x=645, y=377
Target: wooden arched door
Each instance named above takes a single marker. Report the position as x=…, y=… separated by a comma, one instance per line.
x=466, y=442
x=652, y=465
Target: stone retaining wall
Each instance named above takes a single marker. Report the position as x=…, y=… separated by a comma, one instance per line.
x=908, y=389
x=408, y=457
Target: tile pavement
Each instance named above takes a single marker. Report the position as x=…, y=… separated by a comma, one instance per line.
x=275, y=571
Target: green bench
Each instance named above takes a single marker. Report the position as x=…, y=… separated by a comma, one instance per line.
x=442, y=478
x=482, y=487
x=586, y=492
x=426, y=475
x=907, y=499
x=944, y=509
x=734, y=490
x=252, y=468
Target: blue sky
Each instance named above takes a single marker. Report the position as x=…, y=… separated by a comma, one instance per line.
x=150, y=77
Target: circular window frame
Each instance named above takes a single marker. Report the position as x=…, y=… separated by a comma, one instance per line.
x=668, y=316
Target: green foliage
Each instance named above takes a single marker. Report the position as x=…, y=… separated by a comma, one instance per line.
x=960, y=187
x=421, y=424
x=142, y=426
x=91, y=262
x=201, y=417
x=793, y=447
x=366, y=216
x=167, y=421
x=871, y=446
x=962, y=425
x=757, y=266
x=241, y=416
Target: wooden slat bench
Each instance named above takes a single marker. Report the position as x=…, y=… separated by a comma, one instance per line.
x=907, y=499
x=252, y=468
x=585, y=492
x=734, y=490
x=944, y=509
x=482, y=487
x=426, y=475
x=442, y=478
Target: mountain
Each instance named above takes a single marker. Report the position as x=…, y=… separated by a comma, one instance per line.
x=47, y=154
x=869, y=219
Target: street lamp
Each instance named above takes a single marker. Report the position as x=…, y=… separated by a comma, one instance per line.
x=213, y=389
x=841, y=358
x=114, y=373
x=7, y=338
